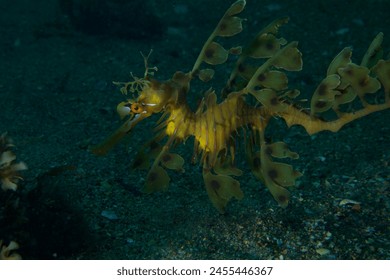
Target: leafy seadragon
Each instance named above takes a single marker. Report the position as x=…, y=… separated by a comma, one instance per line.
x=251, y=97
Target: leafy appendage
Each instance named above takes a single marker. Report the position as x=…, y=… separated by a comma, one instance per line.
x=277, y=176
x=265, y=45
x=156, y=180
x=214, y=53
x=221, y=189
x=269, y=85
x=344, y=82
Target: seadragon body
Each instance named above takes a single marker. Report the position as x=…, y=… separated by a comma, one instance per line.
x=252, y=96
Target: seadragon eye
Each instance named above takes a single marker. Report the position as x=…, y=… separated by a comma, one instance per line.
x=137, y=108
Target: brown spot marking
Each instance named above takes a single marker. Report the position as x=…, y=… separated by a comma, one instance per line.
x=282, y=199
x=363, y=82
x=269, y=45
x=273, y=174
x=274, y=101
x=209, y=53
x=166, y=157
x=320, y=104
x=261, y=77
x=222, y=26
x=215, y=184
x=322, y=89
x=152, y=176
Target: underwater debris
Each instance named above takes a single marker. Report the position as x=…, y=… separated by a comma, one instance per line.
x=215, y=126
x=9, y=178
x=7, y=252
x=9, y=170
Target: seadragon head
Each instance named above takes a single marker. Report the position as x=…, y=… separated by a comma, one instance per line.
x=145, y=96
x=146, y=99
